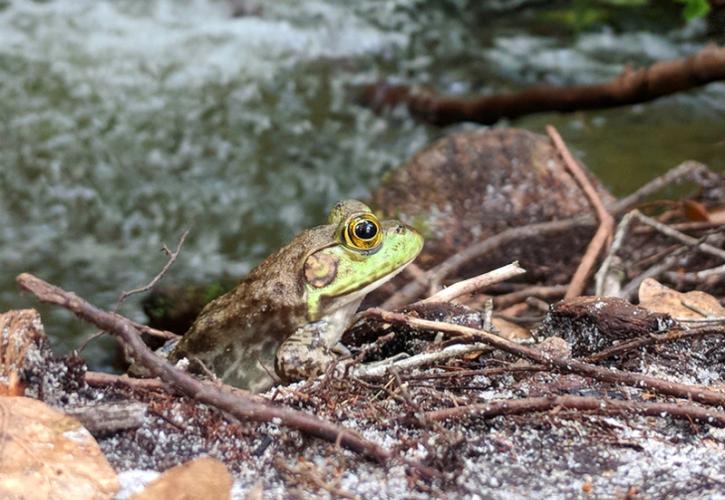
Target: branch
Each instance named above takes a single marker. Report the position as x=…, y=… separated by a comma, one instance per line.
x=244, y=408
x=564, y=365
x=602, y=406
x=145, y=288
x=630, y=87
x=670, y=336
x=476, y=283
x=606, y=222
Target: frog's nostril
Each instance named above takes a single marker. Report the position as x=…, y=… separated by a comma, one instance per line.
x=400, y=229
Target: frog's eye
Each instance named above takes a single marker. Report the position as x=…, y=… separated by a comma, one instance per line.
x=363, y=232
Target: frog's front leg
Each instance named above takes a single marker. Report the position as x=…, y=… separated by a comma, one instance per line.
x=306, y=353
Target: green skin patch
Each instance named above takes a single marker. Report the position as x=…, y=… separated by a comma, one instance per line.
x=355, y=270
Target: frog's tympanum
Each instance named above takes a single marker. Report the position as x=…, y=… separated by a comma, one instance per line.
x=285, y=320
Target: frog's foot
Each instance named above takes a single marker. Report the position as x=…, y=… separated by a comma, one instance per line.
x=305, y=353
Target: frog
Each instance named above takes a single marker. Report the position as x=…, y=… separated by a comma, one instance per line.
x=284, y=321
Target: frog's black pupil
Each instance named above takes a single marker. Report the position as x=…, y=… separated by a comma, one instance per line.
x=365, y=230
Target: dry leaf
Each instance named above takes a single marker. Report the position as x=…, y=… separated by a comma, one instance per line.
x=204, y=478
x=509, y=330
x=691, y=305
x=695, y=211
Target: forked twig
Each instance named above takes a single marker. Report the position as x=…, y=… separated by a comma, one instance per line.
x=606, y=222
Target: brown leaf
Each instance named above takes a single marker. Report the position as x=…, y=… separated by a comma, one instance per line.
x=691, y=305
x=204, y=478
x=695, y=211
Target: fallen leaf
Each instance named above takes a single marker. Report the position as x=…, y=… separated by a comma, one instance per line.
x=691, y=305
x=695, y=211
x=204, y=478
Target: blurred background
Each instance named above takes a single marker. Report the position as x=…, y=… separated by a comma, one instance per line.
x=125, y=122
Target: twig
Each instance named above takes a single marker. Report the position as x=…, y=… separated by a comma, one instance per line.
x=631, y=288
x=695, y=276
x=686, y=169
x=126, y=294
x=679, y=236
x=606, y=222
x=564, y=365
x=509, y=299
x=376, y=370
x=415, y=288
x=99, y=379
x=412, y=290
x=148, y=286
x=476, y=283
x=603, y=272
x=102, y=418
x=671, y=336
x=605, y=406
x=241, y=407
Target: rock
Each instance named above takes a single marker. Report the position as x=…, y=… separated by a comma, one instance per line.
x=590, y=324
x=556, y=347
x=28, y=366
x=471, y=185
x=47, y=454
x=204, y=478
x=21, y=334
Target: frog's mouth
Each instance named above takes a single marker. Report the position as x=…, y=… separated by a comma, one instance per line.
x=322, y=304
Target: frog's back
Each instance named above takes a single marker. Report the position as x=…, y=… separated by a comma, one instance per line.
x=237, y=335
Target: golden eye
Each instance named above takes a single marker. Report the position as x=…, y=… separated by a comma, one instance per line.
x=363, y=232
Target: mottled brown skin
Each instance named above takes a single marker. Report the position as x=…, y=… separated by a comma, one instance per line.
x=285, y=320
x=235, y=319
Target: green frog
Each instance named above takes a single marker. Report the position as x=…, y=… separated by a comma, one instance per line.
x=284, y=321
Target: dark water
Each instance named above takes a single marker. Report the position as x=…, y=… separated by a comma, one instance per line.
x=122, y=123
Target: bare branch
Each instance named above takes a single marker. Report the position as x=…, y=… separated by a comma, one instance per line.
x=601, y=406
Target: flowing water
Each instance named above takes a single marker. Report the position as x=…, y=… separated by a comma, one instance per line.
x=123, y=123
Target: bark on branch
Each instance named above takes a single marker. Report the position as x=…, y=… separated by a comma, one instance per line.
x=245, y=408
x=630, y=87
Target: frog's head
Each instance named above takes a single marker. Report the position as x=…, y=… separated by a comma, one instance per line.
x=364, y=254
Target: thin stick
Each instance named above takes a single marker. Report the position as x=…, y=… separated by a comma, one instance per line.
x=687, y=169
x=679, y=236
x=602, y=406
x=509, y=299
x=126, y=294
x=148, y=286
x=606, y=222
x=476, y=283
x=244, y=408
x=671, y=336
x=696, y=276
x=377, y=370
x=564, y=365
x=631, y=288
x=602, y=274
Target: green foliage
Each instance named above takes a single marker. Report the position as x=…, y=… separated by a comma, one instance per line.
x=580, y=15
x=695, y=8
